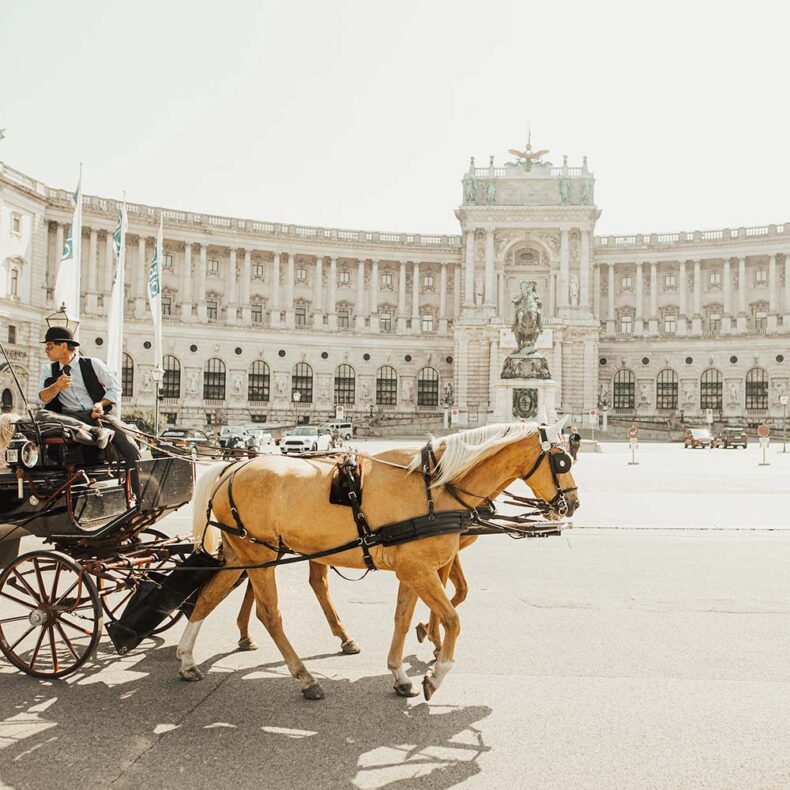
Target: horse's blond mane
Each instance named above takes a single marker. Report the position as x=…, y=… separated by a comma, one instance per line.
x=7, y=429
x=462, y=451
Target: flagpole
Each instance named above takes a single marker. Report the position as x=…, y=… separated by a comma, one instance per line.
x=115, y=313
x=155, y=300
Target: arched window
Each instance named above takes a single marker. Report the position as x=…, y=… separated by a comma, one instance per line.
x=386, y=386
x=667, y=390
x=171, y=381
x=757, y=389
x=428, y=387
x=127, y=376
x=214, y=380
x=7, y=400
x=623, y=390
x=345, y=384
x=302, y=382
x=710, y=390
x=258, y=381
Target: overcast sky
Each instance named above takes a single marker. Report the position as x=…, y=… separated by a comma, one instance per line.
x=363, y=114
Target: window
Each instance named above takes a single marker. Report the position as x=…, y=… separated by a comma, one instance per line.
x=171, y=417
x=127, y=376
x=300, y=316
x=427, y=282
x=714, y=279
x=258, y=381
x=760, y=277
x=11, y=334
x=167, y=262
x=7, y=400
x=302, y=382
x=623, y=390
x=344, y=277
x=669, y=281
x=667, y=390
x=710, y=390
x=14, y=290
x=670, y=324
x=16, y=225
x=757, y=389
x=386, y=386
x=167, y=305
x=386, y=280
x=385, y=322
x=626, y=283
x=342, y=319
x=626, y=325
x=345, y=385
x=714, y=324
x=256, y=314
x=211, y=311
x=214, y=380
x=427, y=323
x=171, y=380
x=760, y=322
x=257, y=271
x=428, y=387
x=212, y=266
x=301, y=275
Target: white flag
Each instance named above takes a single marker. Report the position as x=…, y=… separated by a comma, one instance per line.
x=117, y=302
x=67, y=284
x=155, y=296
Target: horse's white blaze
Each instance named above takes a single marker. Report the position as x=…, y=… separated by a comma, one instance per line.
x=401, y=678
x=187, y=645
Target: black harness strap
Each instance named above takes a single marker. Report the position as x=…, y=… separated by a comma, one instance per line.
x=348, y=467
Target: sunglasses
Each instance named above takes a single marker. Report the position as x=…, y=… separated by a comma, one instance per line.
x=50, y=346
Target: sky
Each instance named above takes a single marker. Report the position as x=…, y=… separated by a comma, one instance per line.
x=363, y=114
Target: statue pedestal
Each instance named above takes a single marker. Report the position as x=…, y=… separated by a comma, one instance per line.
x=525, y=398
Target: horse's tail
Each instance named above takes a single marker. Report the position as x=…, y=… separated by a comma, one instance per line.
x=206, y=537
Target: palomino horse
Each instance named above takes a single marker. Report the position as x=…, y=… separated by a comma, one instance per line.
x=284, y=501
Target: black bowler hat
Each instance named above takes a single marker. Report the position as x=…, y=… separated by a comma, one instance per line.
x=59, y=334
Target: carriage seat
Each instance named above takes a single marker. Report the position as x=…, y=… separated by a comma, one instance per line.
x=63, y=444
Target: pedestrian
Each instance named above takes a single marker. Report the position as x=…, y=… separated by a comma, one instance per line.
x=83, y=388
x=574, y=441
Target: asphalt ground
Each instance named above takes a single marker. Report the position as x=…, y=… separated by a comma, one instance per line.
x=646, y=648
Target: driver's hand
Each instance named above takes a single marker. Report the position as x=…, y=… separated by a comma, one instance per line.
x=63, y=381
x=97, y=411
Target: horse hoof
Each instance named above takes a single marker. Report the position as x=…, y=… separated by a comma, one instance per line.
x=247, y=644
x=350, y=647
x=192, y=674
x=422, y=632
x=405, y=690
x=313, y=691
x=428, y=689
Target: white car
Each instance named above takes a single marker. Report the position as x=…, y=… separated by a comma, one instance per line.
x=306, y=438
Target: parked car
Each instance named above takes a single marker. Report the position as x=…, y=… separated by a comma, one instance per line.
x=697, y=437
x=233, y=436
x=345, y=430
x=185, y=441
x=306, y=438
x=731, y=437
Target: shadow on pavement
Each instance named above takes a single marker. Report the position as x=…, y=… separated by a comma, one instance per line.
x=130, y=722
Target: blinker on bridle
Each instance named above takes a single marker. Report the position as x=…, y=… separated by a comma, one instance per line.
x=560, y=463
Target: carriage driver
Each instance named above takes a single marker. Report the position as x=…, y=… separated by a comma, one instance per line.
x=83, y=388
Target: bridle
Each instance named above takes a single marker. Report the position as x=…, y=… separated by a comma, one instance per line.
x=559, y=463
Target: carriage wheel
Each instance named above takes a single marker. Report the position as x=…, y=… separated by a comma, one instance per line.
x=114, y=595
x=52, y=618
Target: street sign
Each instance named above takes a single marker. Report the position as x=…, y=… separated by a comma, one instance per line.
x=709, y=416
x=453, y=416
x=633, y=432
x=593, y=412
x=339, y=412
x=763, y=430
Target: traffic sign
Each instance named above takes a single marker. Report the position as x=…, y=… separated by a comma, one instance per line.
x=339, y=412
x=633, y=432
x=763, y=430
x=593, y=412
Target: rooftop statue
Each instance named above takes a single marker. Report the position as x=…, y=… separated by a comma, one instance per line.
x=528, y=157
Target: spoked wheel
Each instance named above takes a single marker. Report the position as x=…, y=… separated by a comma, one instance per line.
x=52, y=617
x=114, y=594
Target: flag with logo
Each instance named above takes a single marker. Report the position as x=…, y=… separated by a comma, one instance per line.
x=155, y=295
x=117, y=299
x=67, y=283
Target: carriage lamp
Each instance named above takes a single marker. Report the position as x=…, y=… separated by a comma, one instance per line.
x=61, y=318
x=29, y=454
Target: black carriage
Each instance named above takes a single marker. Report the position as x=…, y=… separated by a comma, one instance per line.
x=79, y=500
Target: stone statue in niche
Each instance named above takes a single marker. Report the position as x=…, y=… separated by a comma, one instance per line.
x=574, y=290
x=603, y=398
x=449, y=394
x=470, y=189
x=565, y=191
x=237, y=385
x=644, y=393
x=587, y=188
x=281, y=385
x=192, y=382
x=479, y=289
x=688, y=392
x=365, y=392
x=147, y=381
x=734, y=393
x=408, y=390
x=491, y=193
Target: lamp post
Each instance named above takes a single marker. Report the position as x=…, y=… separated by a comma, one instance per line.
x=297, y=396
x=61, y=318
x=783, y=401
x=156, y=376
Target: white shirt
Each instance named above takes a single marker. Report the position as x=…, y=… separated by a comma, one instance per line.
x=76, y=397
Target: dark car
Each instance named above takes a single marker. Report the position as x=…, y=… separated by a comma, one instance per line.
x=184, y=441
x=731, y=437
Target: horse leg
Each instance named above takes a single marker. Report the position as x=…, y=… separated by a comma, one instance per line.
x=212, y=593
x=320, y=584
x=431, y=591
x=264, y=584
x=431, y=630
x=404, y=611
x=243, y=620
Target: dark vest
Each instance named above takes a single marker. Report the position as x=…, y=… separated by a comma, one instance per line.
x=92, y=384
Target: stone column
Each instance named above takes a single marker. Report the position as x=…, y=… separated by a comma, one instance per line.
x=653, y=317
x=276, y=306
x=462, y=376
x=741, y=320
x=246, y=280
x=415, y=298
x=200, y=296
x=551, y=296
x=500, y=296
x=697, y=287
x=610, y=315
x=231, y=298
x=490, y=281
x=584, y=271
x=683, y=316
x=773, y=285
x=140, y=280
x=786, y=306
x=596, y=307
x=457, y=291
x=289, y=291
x=726, y=319
x=402, y=298
x=469, y=269
x=443, y=299
x=374, y=296
x=185, y=284
x=361, y=312
x=639, y=322
x=318, y=293
x=92, y=296
x=562, y=296
x=331, y=307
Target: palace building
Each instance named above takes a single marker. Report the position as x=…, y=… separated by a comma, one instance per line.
x=397, y=328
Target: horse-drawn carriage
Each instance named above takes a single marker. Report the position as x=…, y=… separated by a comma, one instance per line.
x=79, y=499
